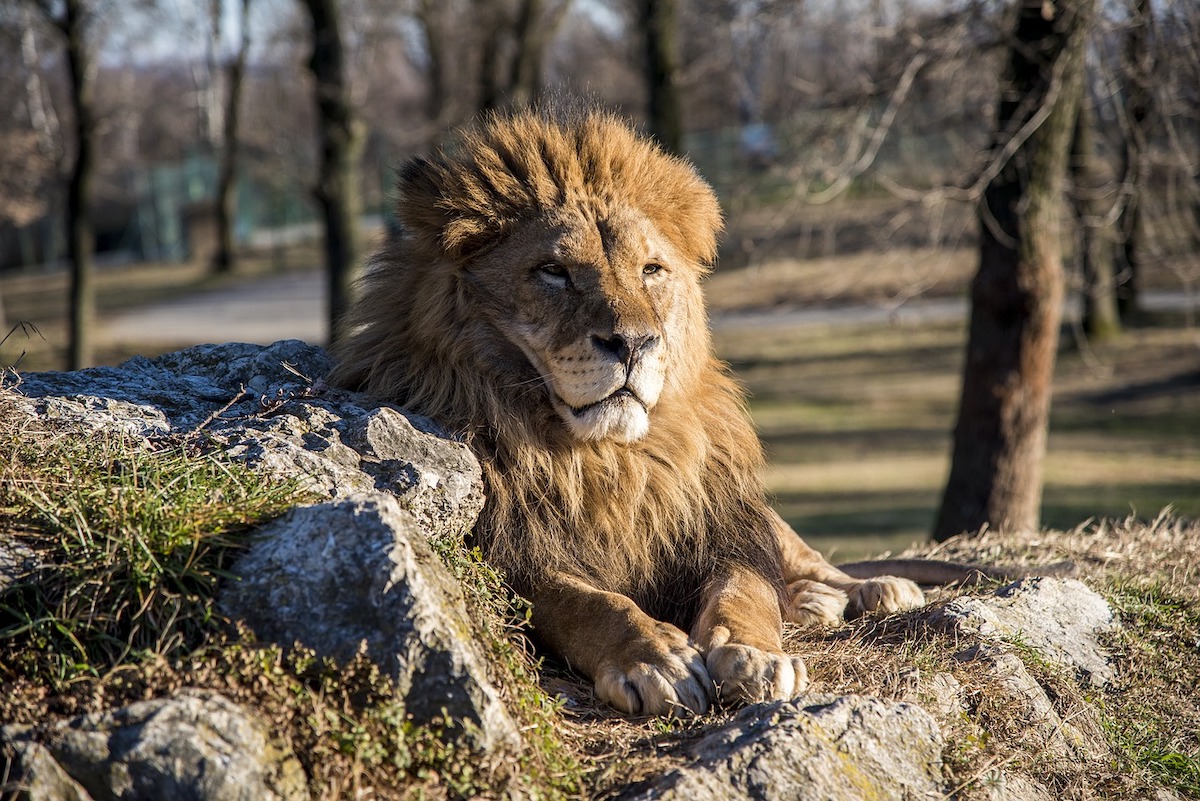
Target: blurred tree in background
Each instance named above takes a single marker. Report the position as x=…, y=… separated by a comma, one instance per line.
x=340, y=136
x=234, y=73
x=1017, y=295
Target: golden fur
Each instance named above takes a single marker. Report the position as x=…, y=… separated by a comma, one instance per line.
x=543, y=301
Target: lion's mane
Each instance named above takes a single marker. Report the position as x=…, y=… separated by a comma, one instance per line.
x=648, y=519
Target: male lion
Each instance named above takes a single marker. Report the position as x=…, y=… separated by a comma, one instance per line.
x=543, y=301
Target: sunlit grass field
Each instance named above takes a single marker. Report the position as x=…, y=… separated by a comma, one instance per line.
x=857, y=422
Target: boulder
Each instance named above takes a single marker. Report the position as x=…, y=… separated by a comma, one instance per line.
x=339, y=574
x=29, y=772
x=1062, y=620
x=333, y=575
x=268, y=407
x=196, y=746
x=175, y=392
x=835, y=748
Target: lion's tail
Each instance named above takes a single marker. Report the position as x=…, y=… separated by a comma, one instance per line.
x=937, y=572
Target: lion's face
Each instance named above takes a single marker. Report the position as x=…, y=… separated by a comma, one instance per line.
x=596, y=299
x=546, y=271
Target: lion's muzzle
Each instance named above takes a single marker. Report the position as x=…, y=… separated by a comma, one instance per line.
x=605, y=385
x=627, y=348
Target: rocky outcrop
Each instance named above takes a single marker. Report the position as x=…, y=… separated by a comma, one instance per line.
x=268, y=407
x=360, y=571
x=193, y=747
x=846, y=747
x=330, y=576
x=1061, y=619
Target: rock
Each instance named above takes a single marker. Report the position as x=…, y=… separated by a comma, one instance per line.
x=196, y=746
x=1062, y=620
x=18, y=562
x=339, y=449
x=1038, y=724
x=174, y=392
x=31, y=774
x=267, y=406
x=348, y=572
x=840, y=749
x=1003, y=785
x=337, y=574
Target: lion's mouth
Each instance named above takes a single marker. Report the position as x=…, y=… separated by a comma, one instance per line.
x=621, y=395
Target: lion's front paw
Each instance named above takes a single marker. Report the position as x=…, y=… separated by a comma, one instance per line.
x=657, y=676
x=810, y=603
x=884, y=594
x=745, y=674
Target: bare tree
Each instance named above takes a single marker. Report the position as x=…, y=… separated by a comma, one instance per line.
x=513, y=40
x=1016, y=296
x=235, y=70
x=1093, y=197
x=433, y=18
x=1138, y=75
x=536, y=25
x=72, y=18
x=340, y=138
x=658, y=21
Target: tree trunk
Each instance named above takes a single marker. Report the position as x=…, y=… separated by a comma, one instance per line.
x=341, y=143
x=223, y=259
x=80, y=239
x=1092, y=198
x=527, y=61
x=658, y=23
x=1137, y=110
x=1016, y=297
x=436, y=101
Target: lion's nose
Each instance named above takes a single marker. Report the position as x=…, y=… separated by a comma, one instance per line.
x=625, y=347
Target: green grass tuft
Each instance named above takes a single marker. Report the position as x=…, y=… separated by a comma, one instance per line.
x=131, y=544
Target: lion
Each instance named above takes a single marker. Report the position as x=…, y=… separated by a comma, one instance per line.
x=543, y=301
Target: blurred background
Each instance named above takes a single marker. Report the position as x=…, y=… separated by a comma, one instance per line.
x=231, y=162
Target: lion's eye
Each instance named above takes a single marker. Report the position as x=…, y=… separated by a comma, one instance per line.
x=652, y=268
x=553, y=273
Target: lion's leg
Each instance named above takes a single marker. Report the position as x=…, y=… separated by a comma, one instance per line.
x=815, y=587
x=739, y=632
x=640, y=665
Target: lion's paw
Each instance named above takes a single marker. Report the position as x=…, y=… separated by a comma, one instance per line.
x=884, y=594
x=657, y=677
x=745, y=674
x=810, y=603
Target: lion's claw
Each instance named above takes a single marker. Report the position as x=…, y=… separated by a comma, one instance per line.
x=745, y=674
x=884, y=594
x=671, y=679
x=811, y=603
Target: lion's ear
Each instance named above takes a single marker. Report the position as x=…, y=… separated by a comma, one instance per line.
x=435, y=208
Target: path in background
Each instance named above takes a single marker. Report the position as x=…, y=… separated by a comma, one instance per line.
x=292, y=306
x=289, y=306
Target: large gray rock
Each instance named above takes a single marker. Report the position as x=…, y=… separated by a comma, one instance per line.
x=339, y=574
x=339, y=449
x=268, y=407
x=1062, y=620
x=176, y=391
x=29, y=772
x=196, y=746
x=345, y=572
x=834, y=749
x=1036, y=722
